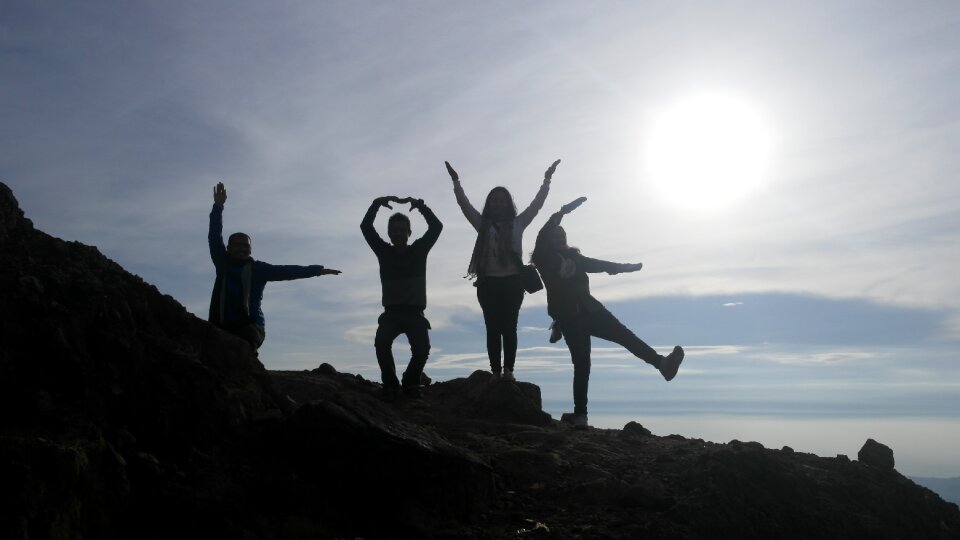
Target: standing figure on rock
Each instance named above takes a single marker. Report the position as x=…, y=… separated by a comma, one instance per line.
x=238, y=290
x=403, y=281
x=496, y=263
x=579, y=315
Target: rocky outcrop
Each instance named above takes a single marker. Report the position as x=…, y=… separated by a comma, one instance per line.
x=124, y=416
x=876, y=454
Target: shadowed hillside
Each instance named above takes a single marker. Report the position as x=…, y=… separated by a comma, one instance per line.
x=124, y=416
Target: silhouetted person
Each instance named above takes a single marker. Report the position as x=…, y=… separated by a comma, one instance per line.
x=579, y=315
x=238, y=290
x=403, y=281
x=495, y=263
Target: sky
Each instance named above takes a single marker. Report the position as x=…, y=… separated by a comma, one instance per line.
x=819, y=307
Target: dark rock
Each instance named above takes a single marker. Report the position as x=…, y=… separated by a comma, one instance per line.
x=876, y=455
x=633, y=428
x=11, y=217
x=325, y=369
x=481, y=396
x=124, y=416
x=328, y=443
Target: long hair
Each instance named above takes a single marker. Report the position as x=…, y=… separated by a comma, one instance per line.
x=542, y=249
x=504, y=233
x=486, y=204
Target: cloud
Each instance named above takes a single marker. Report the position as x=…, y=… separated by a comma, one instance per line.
x=826, y=358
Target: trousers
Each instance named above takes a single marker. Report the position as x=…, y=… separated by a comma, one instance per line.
x=415, y=326
x=500, y=299
x=577, y=331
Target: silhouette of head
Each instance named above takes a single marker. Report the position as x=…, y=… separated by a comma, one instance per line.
x=239, y=246
x=398, y=229
x=557, y=238
x=499, y=205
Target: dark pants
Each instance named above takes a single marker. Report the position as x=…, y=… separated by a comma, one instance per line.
x=602, y=324
x=500, y=299
x=391, y=324
x=253, y=333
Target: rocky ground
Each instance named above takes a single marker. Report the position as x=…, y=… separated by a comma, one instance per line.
x=124, y=416
x=550, y=480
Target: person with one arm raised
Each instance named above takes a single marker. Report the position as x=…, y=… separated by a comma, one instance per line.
x=579, y=315
x=235, y=304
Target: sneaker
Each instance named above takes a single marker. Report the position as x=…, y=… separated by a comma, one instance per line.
x=508, y=376
x=580, y=421
x=671, y=363
x=496, y=377
x=413, y=392
x=555, y=333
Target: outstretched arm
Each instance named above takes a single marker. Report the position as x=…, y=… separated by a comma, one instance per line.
x=531, y=211
x=596, y=265
x=285, y=272
x=215, y=231
x=469, y=212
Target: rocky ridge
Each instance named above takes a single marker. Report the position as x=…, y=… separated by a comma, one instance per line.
x=125, y=416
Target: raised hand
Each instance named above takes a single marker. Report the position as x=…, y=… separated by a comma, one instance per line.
x=329, y=272
x=453, y=174
x=571, y=206
x=219, y=194
x=415, y=203
x=549, y=174
x=386, y=200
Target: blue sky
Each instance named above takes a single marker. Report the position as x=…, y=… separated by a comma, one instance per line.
x=826, y=295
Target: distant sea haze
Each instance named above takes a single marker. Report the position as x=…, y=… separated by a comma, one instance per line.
x=923, y=447
x=947, y=488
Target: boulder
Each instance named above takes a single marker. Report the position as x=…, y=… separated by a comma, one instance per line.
x=876, y=455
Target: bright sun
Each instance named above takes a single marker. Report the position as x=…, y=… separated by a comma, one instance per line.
x=706, y=152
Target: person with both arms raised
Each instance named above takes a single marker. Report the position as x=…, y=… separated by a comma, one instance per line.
x=235, y=304
x=496, y=263
x=403, y=281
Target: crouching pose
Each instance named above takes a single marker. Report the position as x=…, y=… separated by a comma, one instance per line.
x=580, y=315
x=403, y=281
x=235, y=304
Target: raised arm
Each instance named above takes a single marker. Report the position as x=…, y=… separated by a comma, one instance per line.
x=366, y=226
x=531, y=211
x=469, y=212
x=218, y=251
x=564, y=210
x=434, y=226
x=541, y=248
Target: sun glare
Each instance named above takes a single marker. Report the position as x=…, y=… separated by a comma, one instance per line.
x=707, y=152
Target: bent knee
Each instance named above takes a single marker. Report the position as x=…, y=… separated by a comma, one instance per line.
x=420, y=352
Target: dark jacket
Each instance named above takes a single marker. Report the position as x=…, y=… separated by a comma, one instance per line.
x=403, y=274
x=564, y=274
x=238, y=289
